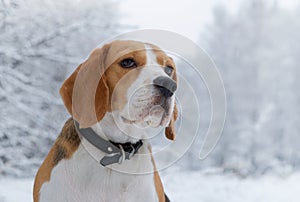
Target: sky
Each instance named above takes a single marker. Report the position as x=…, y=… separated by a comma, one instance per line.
x=187, y=17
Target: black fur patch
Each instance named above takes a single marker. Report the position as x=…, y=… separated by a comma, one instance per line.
x=166, y=198
x=60, y=153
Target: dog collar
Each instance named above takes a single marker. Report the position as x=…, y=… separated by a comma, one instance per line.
x=116, y=152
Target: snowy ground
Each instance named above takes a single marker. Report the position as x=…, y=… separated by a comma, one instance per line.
x=194, y=187
x=16, y=190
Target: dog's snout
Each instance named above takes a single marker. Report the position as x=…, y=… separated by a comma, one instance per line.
x=166, y=85
x=165, y=92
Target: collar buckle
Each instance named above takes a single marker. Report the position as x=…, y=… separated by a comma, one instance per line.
x=132, y=152
x=116, y=152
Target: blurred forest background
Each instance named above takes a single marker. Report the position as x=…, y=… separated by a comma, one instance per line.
x=256, y=50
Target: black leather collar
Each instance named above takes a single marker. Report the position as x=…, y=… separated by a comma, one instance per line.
x=116, y=152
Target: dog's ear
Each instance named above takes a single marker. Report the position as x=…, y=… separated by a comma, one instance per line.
x=66, y=90
x=85, y=93
x=170, y=131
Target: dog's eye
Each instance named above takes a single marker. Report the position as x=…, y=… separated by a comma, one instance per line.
x=169, y=70
x=128, y=63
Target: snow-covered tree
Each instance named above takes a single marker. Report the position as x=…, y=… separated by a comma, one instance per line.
x=256, y=52
x=41, y=42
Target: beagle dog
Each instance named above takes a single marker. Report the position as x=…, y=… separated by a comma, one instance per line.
x=117, y=97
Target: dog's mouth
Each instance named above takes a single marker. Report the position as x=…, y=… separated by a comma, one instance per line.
x=153, y=115
x=141, y=121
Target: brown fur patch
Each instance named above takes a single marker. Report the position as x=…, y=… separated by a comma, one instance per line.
x=80, y=89
x=59, y=154
x=157, y=182
x=64, y=147
x=118, y=51
x=170, y=131
x=87, y=92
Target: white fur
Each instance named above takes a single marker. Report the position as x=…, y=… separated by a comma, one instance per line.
x=82, y=178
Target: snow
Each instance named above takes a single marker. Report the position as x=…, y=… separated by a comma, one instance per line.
x=16, y=190
x=198, y=187
x=193, y=187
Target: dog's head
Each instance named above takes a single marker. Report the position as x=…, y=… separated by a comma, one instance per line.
x=135, y=81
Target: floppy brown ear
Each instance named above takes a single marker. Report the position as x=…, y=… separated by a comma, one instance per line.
x=66, y=90
x=85, y=92
x=170, y=130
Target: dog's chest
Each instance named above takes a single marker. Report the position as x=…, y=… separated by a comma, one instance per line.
x=81, y=178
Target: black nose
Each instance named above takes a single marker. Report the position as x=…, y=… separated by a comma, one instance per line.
x=166, y=85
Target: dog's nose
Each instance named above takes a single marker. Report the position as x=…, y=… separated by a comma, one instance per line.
x=166, y=85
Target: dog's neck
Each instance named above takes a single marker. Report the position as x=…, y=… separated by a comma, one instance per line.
x=110, y=130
